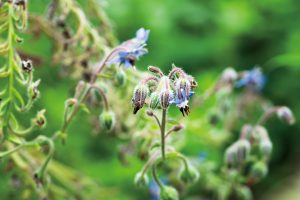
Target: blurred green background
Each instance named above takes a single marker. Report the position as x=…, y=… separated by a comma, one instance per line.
x=203, y=37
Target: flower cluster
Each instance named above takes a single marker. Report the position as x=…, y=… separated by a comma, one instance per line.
x=254, y=147
x=131, y=50
x=176, y=88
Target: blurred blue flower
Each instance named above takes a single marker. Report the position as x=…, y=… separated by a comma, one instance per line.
x=202, y=156
x=252, y=79
x=131, y=50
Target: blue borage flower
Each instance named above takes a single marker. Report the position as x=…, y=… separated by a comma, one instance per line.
x=252, y=79
x=131, y=50
x=181, y=101
x=182, y=94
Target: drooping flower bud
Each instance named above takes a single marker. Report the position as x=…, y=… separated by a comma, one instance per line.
x=244, y=193
x=243, y=150
x=178, y=127
x=237, y=153
x=260, y=133
x=189, y=175
x=165, y=98
x=286, y=115
x=139, y=96
x=27, y=66
x=168, y=193
x=70, y=102
x=33, y=90
x=231, y=156
x=120, y=77
x=266, y=147
x=154, y=100
x=246, y=132
x=229, y=75
x=155, y=70
x=40, y=119
x=150, y=113
x=141, y=180
x=107, y=119
x=166, y=94
x=258, y=171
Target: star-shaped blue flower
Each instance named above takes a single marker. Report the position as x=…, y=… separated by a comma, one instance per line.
x=252, y=79
x=132, y=49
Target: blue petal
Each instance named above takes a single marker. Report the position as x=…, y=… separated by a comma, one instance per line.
x=142, y=34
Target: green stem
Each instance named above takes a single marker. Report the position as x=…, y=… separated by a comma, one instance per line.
x=155, y=159
x=85, y=95
x=163, y=129
x=10, y=40
x=155, y=177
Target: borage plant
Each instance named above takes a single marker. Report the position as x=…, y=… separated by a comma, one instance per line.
x=159, y=92
x=78, y=47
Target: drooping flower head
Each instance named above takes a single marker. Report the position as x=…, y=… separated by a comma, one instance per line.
x=131, y=50
x=183, y=89
x=176, y=88
x=252, y=79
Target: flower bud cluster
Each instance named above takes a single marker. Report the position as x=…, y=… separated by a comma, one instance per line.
x=176, y=88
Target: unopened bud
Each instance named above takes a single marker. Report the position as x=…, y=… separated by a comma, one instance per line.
x=243, y=150
x=229, y=75
x=168, y=193
x=33, y=90
x=286, y=115
x=150, y=113
x=27, y=66
x=154, y=100
x=107, y=119
x=246, y=132
x=258, y=171
x=266, y=147
x=155, y=70
x=231, y=156
x=237, y=153
x=189, y=175
x=165, y=98
x=71, y=102
x=244, y=193
x=120, y=77
x=40, y=119
x=139, y=96
x=260, y=133
x=177, y=127
x=141, y=179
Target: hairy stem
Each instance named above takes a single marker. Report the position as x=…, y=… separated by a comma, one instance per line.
x=163, y=129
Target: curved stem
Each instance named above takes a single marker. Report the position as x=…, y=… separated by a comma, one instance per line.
x=104, y=98
x=155, y=177
x=85, y=95
x=103, y=63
